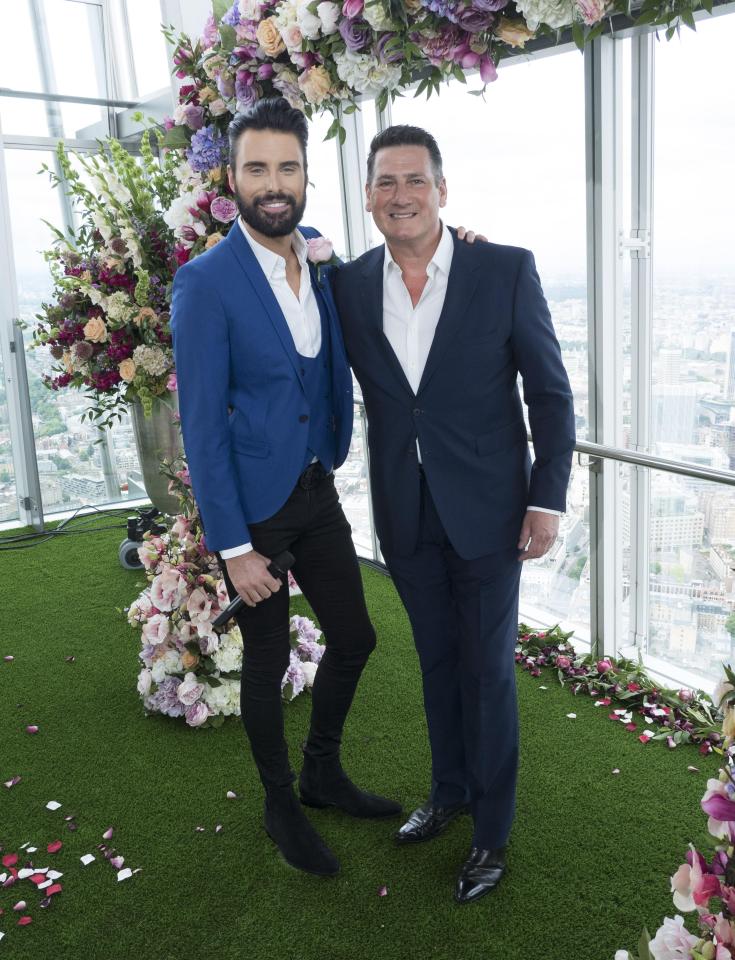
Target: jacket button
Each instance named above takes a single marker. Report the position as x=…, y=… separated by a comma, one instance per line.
x=416, y=411
x=303, y=418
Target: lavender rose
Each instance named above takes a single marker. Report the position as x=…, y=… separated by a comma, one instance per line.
x=355, y=33
x=197, y=714
x=194, y=116
x=223, y=209
x=475, y=21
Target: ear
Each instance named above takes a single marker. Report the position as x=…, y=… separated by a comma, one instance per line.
x=231, y=179
x=442, y=192
x=368, y=205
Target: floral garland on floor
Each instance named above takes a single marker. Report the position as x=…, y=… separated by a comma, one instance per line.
x=190, y=668
x=673, y=716
x=705, y=884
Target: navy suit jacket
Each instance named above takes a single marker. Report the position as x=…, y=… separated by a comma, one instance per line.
x=467, y=413
x=244, y=409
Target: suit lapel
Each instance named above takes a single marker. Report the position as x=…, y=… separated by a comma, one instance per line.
x=246, y=258
x=463, y=278
x=372, y=299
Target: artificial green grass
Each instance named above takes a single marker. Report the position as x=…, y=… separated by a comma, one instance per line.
x=589, y=862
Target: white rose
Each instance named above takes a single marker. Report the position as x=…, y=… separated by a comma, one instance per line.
x=145, y=679
x=328, y=13
x=218, y=107
x=158, y=671
x=309, y=671
x=310, y=24
x=189, y=690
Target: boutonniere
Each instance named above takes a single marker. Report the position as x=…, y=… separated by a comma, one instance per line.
x=320, y=252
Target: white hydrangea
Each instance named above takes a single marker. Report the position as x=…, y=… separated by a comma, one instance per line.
x=328, y=14
x=229, y=655
x=151, y=359
x=224, y=699
x=170, y=662
x=365, y=74
x=309, y=24
x=554, y=13
x=119, y=307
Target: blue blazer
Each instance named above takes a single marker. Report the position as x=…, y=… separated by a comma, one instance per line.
x=467, y=413
x=244, y=410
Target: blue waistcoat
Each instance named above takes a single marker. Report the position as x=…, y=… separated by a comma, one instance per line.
x=317, y=377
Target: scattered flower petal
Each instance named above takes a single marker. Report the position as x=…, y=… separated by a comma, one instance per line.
x=45, y=885
x=52, y=805
x=124, y=874
x=199, y=829
x=12, y=782
x=231, y=795
x=20, y=905
x=46, y=902
x=117, y=862
x=69, y=659
x=32, y=728
x=31, y=849
x=616, y=770
x=107, y=835
x=645, y=737
x=218, y=828
x=572, y=716
x=25, y=873
x=693, y=769
x=54, y=846
x=543, y=688
x=10, y=859
x=630, y=726
x=38, y=878
x=383, y=891
x=54, y=874
x=24, y=921
x=87, y=859
x=72, y=826
x=8, y=658
x=56, y=888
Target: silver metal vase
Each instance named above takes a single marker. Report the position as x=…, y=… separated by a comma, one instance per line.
x=158, y=438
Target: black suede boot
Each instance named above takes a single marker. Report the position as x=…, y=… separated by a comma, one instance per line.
x=289, y=828
x=324, y=783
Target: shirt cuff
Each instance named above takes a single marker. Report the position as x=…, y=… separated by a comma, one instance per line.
x=555, y=513
x=231, y=552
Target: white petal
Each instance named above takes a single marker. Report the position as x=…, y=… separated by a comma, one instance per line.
x=124, y=874
x=52, y=805
x=87, y=858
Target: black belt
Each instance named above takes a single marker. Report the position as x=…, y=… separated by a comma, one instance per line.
x=313, y=475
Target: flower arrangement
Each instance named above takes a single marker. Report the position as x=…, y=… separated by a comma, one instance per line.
x=107, y=325
x=705, y=885
x=190, y=668
x=672, y=716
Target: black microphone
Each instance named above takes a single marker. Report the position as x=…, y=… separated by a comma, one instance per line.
x=278, y=567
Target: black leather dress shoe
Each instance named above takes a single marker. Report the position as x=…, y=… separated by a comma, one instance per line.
x=323, y=783
x=480, y=873
x=428, y=822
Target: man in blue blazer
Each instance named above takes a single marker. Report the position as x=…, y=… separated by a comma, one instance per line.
x=265, y=396
x=437, y=332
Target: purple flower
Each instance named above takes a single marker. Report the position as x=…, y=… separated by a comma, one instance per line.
x=197, y=714
x=443, y=8
x=440, y=48
x=210, y=36
x=490, y=5
x=475, y=21
x=223, y=209
x=390, y=56
x=165, y=699
x=232, y=17
x=719, y=808
x=194, y=116
x=355, y=33
x=245, y=89
x=226, y=86
x=83, y=350
x=352, y=8
x=208, y=149
x=265, y=71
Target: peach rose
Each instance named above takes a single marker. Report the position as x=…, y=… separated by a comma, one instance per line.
x=269, y=37
x=127, y=370
x=315, y=84
x=189, y=660
x=67, y=361
x=95, y=330
x=213, y=239
x=513, y=32
x=146, y=313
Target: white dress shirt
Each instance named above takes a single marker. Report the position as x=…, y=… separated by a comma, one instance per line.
x=301, y=313
x=410, y=329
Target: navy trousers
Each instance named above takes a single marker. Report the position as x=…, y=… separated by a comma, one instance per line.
x=464, y=615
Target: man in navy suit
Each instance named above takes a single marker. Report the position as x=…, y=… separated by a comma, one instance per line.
x=265, y=396
x=437, y=332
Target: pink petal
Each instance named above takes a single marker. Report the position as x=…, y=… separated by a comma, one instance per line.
x=55, y=846
x=631, y=726
x=383, y=891
x=10, y=859
x=643, y=738
x=117, y=862
x=54, y=888
x=8, y=658
x=24, y=921
x=37, y=878
x=20, y=905
x=107, y=835
x=32, y=728
x=12, y=783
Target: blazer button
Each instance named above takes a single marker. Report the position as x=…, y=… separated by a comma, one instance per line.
x=416, y=412
x=303, y=418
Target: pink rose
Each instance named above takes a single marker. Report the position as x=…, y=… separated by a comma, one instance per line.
x=171, y=383
x=157, y=629
x=320, y=250
x=168, y=590
x=189, y=691
x=563, y=662
x=352, y=8
x=197, y=714
x=223, y=209
x=604, y=665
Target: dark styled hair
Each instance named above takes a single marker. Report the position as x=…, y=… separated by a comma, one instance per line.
x=274, y=113
x=404, y=135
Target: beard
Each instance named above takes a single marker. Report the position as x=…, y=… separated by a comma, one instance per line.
x=269, y=224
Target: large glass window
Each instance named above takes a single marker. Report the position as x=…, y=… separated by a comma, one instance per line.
x=324, y=203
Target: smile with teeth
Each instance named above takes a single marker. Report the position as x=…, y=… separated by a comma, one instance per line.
x=275, y=206
x=401, y=216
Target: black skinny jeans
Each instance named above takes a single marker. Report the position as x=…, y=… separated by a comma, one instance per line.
x=313, y=527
